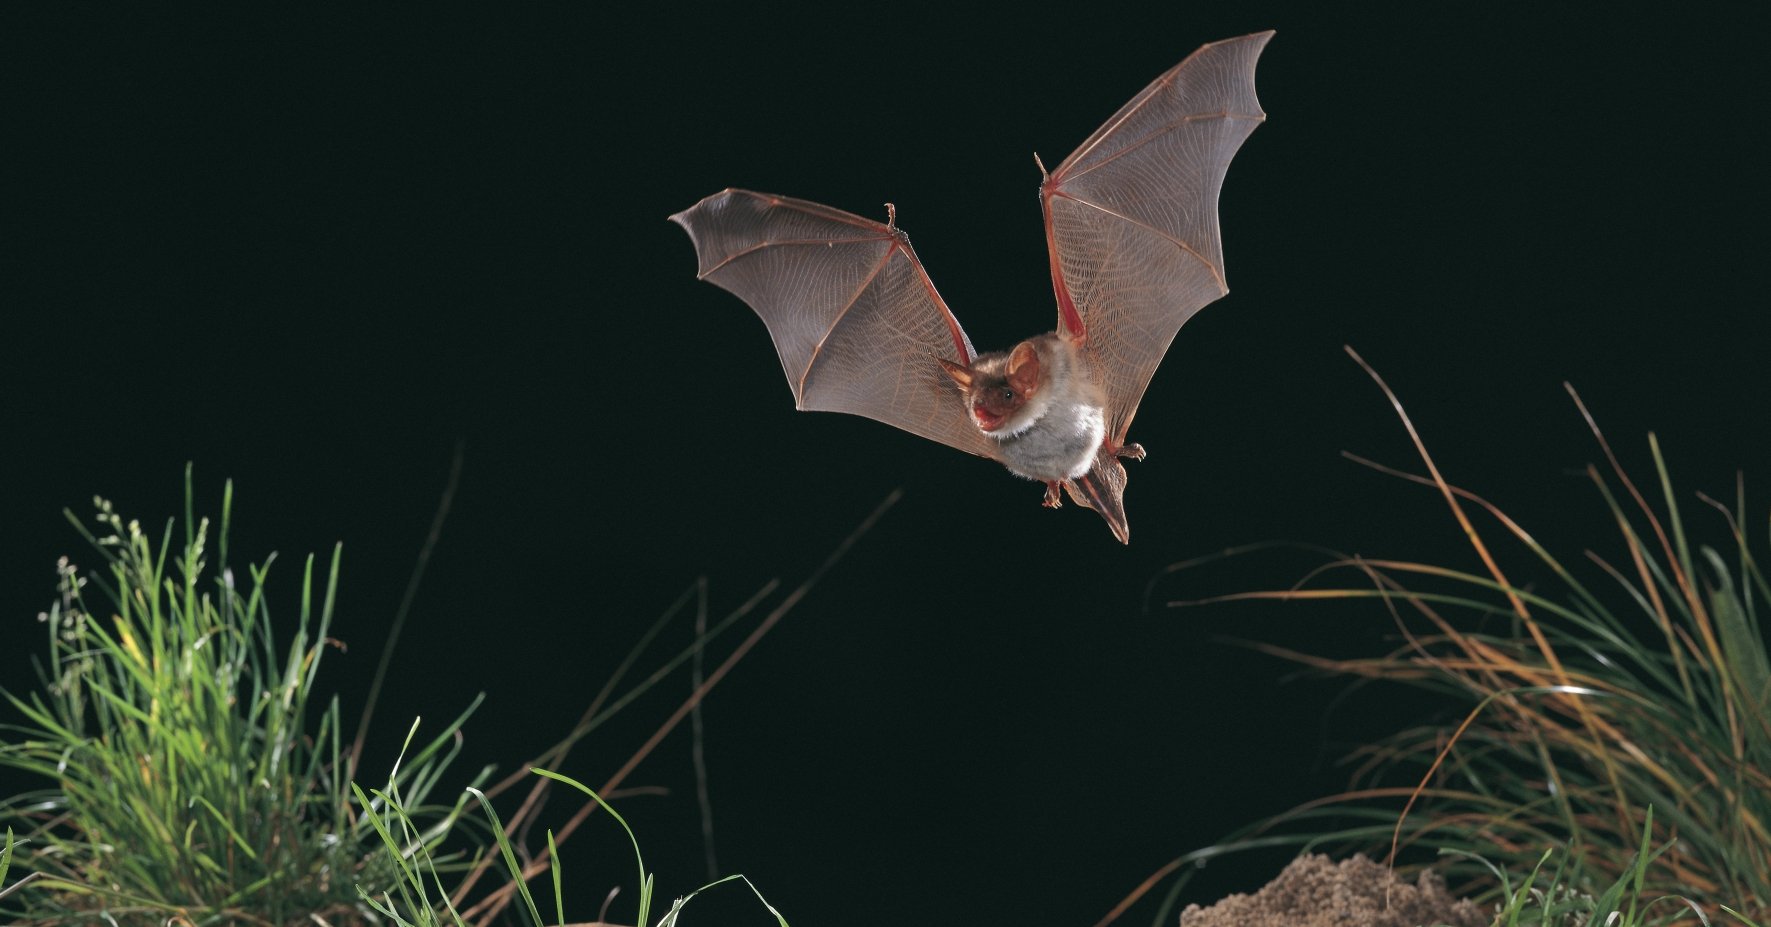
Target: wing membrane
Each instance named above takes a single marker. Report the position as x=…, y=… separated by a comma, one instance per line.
x=854, y=317
x=1132, y=217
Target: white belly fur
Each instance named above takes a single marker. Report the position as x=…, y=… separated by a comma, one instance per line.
x=1060, y=445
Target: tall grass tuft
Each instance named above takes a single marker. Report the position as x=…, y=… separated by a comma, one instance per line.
x=191, y=772
x=1612, y=706
x=191, y=775
x=1595, y=692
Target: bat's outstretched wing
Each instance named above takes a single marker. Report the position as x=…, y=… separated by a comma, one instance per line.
x=854, y=316
x=1131, y=218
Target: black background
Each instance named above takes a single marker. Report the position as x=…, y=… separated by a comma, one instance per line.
x=310, y=252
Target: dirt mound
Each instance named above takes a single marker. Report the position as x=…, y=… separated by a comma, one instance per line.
x=1314, y=891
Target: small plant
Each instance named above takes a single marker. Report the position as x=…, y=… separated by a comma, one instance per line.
x=190, y=769
x=1553, y=897
x=419, y=898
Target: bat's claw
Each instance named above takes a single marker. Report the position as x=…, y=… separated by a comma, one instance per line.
x=1053, y=498
x=1133, y=451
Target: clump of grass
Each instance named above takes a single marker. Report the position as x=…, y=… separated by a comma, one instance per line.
x=192, y=777
x=1553, y=897
x=419, y=898
x=1595, y=693
x=191, y=770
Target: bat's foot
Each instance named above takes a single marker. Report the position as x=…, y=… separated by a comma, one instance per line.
x=1053, y=498
x=1132, y=451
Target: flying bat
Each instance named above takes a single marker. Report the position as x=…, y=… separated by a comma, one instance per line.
x=1131, y=225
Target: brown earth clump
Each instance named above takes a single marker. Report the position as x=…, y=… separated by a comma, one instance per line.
x=1314, y=891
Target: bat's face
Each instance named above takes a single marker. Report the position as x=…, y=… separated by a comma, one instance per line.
x=995, y=404
x=1000, y=389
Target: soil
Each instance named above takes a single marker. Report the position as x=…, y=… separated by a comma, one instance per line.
x=1315, y=891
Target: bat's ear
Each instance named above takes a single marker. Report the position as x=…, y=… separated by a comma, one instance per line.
x=960, y=373
x=1023, y=368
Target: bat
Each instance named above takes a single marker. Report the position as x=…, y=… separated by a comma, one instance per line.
x=1131, y=227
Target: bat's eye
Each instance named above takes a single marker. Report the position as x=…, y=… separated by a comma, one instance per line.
x=1008, y=395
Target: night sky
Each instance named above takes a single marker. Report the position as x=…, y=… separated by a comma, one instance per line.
x=312, y=253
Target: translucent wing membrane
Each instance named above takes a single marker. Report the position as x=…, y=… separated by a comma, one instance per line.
x=855, y=319
x=1132, y=217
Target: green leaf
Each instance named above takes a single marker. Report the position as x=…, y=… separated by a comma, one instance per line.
x=1744, y=652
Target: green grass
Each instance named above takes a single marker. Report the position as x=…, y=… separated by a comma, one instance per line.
x=190, y=769
x=6, y=850
x=419, y=897
x=192, y=775
x=1551, y=893
x=1608, y=706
